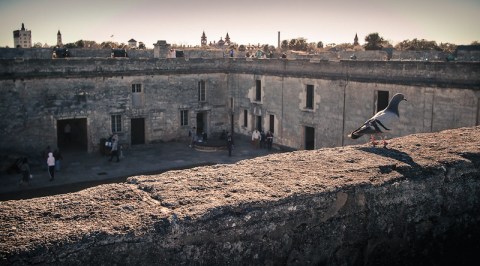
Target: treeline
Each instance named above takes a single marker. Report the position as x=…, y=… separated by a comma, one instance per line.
x=373, y=41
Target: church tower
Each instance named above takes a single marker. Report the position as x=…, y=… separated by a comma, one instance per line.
x=204, y=39
x=59, y=39
x=227, y=39
x=355, y=40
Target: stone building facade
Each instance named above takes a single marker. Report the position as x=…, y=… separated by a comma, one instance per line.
x=307, y=104
x=22, y=38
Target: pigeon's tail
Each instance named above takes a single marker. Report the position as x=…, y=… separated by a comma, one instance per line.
x=354, y=135
x=365, y=129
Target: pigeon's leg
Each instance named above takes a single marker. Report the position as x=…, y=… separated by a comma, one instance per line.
x=372, y=140
x=384, y=141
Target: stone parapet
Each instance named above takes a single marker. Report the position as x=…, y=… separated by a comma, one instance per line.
x=356, y=205
x=441, y=74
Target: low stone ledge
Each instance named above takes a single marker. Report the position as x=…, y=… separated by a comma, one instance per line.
x=417, y=200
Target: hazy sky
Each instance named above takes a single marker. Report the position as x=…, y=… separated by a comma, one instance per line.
x=246, y=21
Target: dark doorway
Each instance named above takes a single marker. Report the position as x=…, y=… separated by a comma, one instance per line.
x=309, y=138
x=138, y=131
x=259, y=122
x=201, y=123
x=72, y=134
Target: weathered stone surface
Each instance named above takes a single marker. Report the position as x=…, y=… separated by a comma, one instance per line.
x=39, y=96
x=417, y=201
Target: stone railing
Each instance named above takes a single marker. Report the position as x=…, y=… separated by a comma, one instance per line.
x=356, y=205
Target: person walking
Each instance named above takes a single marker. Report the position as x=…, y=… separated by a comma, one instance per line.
x=51, y=166
x=114, y=151
x=269, y=140
x=58, y=159
x=256, y=138
x=229, y=144
x=25, y=169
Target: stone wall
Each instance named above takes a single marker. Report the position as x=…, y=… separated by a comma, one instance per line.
x=39, y=93
x=414, y=203
x=469, y=54
x=31, y=108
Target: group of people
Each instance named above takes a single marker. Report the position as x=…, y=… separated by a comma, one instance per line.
x=262, y=140
x=52, y=162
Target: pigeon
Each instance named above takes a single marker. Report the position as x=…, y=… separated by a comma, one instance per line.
x=381, y=121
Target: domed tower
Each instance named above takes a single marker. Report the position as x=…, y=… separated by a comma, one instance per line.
x=204, y=39
x=59, y=39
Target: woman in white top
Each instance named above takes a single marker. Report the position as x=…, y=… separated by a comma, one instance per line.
x=51, y=165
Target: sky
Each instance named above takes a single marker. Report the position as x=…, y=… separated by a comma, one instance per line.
x=246, y=21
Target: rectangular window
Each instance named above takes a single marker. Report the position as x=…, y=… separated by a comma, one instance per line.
x=245, y=118
x=272, y=124
x=136, y=88
x=137, y=96
x=382, y=100
x=258, y=90
x=309, y=100
x=116, y=123
x=184, y=117
x=201, y=91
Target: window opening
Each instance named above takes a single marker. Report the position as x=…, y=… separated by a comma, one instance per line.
x=310, y=95
x=245, y=118
x=258, y=90
x=184, y=117
x=201, y=91
x=272, y=124
x=116, y=123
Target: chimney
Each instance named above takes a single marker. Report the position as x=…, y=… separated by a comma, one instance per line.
x=278, y=40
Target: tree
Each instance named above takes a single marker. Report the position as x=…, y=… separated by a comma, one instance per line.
x=417, y=45
x=447, y=47
x=37, y=45
x=284, y=45
x=344, y=46
x=70, y=45
x=142, y=46
x=320, y=44
x=80, y=44
x=299, y=44
x=373, y=41
x=108, y=45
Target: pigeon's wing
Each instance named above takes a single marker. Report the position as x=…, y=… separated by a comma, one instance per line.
x=379, y=123
x=385, y=120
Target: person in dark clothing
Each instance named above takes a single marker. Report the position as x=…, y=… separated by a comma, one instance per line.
x=262, y=140
x=58, y=159
x=229, y=144
x=269, y=140
x=25, y=170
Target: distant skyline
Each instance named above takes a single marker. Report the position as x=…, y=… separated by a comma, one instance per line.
x=247, y=21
